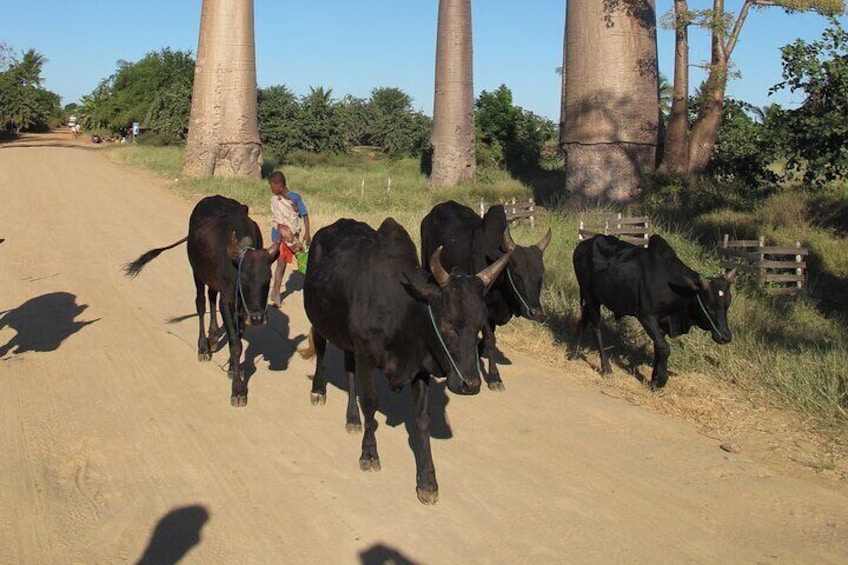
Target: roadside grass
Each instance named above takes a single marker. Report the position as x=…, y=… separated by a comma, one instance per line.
x=787, y=351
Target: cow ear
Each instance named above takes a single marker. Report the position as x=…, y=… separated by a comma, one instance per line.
x=730, y=276
x=703, y=283
x=418, y=287
x=236, y=244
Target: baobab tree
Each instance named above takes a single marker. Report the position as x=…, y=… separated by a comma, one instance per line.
x=223, y=133
x=610, y=107
x=452, y=140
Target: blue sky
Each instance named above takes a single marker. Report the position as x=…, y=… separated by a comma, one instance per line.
x=355, y=46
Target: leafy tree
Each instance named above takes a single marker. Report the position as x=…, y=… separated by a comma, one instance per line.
x=816, y=134
x=24, y=104
x=156, y=89
x=511, y=137
x=688, y=149
x=393, y=125
x=322, y=130
x=279, y=121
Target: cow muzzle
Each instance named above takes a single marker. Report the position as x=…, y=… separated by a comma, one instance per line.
x=464, y=386
x=722, y=338
x=256, y=319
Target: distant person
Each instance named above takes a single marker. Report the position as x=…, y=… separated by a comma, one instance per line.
x=290, y=228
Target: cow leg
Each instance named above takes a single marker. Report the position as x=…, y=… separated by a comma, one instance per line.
x=590, y=313
x=493, y=376
x=353, y=424
x=425, y=471
x=214, y=332
x=319, y=381
x=238, y=398
x=204, y=352
x=659, y=375
x=369, y=460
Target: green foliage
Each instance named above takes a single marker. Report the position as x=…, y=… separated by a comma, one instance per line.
x=155, y=91
x=509, y=136
x=24, y=104
x=316, y=123
x=816, y=134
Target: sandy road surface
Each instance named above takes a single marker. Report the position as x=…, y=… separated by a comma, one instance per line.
x=116, y=444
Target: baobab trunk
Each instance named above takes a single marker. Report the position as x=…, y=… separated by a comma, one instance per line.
x=611, y=103
x=676, y=159
x=452, y=140
x=223, y=134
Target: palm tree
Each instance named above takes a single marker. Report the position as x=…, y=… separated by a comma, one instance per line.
x=452, y=140
x=610, y=106
x=223, y=134
x=30, y=67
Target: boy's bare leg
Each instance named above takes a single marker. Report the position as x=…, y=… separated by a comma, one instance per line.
x=277, y=285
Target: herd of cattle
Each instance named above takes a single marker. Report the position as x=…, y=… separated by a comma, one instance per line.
x=367, y=293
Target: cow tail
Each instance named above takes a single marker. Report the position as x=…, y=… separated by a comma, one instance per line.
x=132, y=270
x=308, y=352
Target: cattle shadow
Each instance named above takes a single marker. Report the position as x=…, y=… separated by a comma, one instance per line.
x=43, y=323
x=380, y=554
x=395, y=406
x=174, y=536
x=294, y=283
x=270, y=342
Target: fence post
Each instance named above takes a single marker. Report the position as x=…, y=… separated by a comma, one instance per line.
x=532, y=213
x=762, y=270
x=725, y=241
x=799, y=271
x=482, y=208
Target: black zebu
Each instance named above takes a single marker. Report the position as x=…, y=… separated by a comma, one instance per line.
x=470, y=244
x=366, y=293
x=226, y=255
x=653, y=285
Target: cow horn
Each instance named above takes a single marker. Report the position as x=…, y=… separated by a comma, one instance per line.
x=543, y=243
x=273, y=250
x=439, y=273
x=508, y=243
x=490, y=273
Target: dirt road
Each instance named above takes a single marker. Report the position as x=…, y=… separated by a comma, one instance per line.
x=117, y=445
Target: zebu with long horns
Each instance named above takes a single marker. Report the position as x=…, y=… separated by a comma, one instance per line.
x=470, y=244
x=366, y=293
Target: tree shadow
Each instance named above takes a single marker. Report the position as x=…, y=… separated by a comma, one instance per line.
x=380, y=554
x=175, y=534
x=43, y=323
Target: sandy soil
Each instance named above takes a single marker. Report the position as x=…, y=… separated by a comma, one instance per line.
x=117, y=445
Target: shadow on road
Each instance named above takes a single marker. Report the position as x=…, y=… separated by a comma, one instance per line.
x=380, y=554
x=175, y=534
x=43, y=323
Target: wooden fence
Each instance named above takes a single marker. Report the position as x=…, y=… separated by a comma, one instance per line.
x=631, y=230
x=516, y=210
x=780, y=270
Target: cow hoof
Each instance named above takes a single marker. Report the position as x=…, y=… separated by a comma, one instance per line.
x=428, y=497
x=317, y=398
x=496, y=386
x=353, y=428
x=370, y=464
x=204, y=356
x=238, y=401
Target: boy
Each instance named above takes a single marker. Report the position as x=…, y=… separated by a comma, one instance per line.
x=290, y=220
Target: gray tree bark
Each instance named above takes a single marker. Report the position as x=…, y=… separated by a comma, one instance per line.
x=223, y=135
x=611, y=104
x=453, y=138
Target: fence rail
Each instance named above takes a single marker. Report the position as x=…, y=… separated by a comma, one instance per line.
x=632, y=230
x=516, y=210
x=779, y=269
